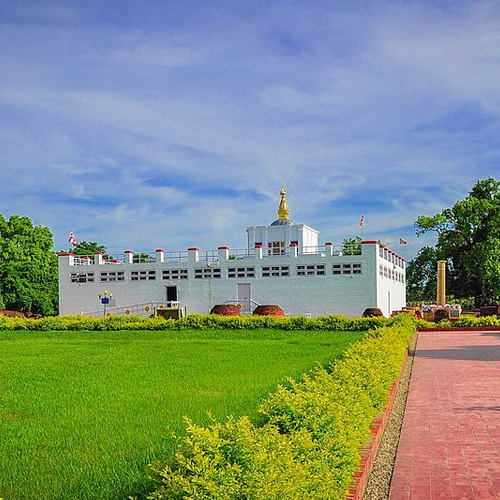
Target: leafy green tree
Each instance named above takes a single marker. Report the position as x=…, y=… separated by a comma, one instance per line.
x=352, y=246
x=90, y=248
x=421, y=277
x=87, y=248
x=28, y=267
x=468, y=237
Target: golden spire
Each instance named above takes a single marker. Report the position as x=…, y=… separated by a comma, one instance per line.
x=283, y=211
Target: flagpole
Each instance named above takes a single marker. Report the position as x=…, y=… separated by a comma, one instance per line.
x=362, y=225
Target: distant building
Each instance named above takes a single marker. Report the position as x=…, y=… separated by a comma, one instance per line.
x=283, y=264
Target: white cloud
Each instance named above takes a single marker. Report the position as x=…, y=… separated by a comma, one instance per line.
x=162, y=116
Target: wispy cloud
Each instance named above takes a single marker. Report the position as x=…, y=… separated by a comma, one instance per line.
x=174, y=123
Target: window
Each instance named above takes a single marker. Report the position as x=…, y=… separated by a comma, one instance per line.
x=175, y=274
x=275, y=271
x=352, y=268
x=355, y=268
x=108, y=276
x=207, y=273
x=276, y=248
x=149, y=275
x=311, y=270
x=81, y=277
x=241, y=272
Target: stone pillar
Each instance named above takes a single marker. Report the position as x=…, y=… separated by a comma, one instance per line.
x=160, y=255
x=193, y=254
x=98, y=258
x=129, y=256
x=258, y=251
x=223, y=253
x=441, y=282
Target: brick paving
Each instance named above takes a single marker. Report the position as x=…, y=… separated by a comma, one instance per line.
x=450, y=440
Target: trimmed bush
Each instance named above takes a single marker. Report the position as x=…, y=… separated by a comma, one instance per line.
x=226, y=309
x=307, y=444
x=195, y=321
x=465, y=321
x=370, y=312
x=269, y=310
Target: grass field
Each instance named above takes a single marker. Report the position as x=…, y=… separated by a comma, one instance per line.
x=83, y=414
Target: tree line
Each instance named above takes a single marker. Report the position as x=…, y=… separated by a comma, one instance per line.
x=468, y=238
x=29, y=280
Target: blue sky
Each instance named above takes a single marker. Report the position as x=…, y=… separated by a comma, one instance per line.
x=173, y=123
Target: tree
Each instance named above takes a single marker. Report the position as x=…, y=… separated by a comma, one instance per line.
x=352, y=246
x=87, y=248
x=421, y=277
x=90, y=248
x=28, y=267
x=468, y=237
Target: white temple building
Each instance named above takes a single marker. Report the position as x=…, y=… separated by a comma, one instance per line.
x=283, y=264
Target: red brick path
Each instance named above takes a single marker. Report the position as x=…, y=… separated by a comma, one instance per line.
x=450, y=440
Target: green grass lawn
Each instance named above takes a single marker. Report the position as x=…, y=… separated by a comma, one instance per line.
x=82, y=414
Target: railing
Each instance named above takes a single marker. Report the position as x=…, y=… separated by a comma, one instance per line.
x=337, y=250
x=213, y=255
x=145, y=309
x=247, y=305
x=241, y=253
x=313, y=251
x=84, y=260
x=148, y=257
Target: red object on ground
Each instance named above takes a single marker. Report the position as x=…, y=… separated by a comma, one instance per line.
x=268, y=310
x=226, y=309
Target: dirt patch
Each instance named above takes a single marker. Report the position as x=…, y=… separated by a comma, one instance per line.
x=12, y=415
x=18, y=314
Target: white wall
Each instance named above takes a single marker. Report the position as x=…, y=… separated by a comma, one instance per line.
x=332, y=293
x=304, y=235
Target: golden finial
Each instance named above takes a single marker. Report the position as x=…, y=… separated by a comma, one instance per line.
x=283, y=211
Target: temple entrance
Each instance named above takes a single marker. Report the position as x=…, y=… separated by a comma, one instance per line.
x=171, y=296
x=244, y=297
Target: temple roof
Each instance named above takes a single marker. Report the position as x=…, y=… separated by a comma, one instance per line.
x=283, y=212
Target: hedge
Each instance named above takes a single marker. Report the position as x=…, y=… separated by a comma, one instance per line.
x=464, y=321
x=194, y=321
x=307, y=442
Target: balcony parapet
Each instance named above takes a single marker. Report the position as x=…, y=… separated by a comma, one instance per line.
x=221, y=254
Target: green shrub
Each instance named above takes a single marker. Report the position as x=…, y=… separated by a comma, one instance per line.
x=194, y=321
x=465, y=320
x=307, y=443
x=237, y=460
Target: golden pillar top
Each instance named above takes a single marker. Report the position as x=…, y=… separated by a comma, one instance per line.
x=283, y=211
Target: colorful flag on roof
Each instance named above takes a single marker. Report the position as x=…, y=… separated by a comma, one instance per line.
x=72, y=239
x=402, y=241
x=362, y=221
